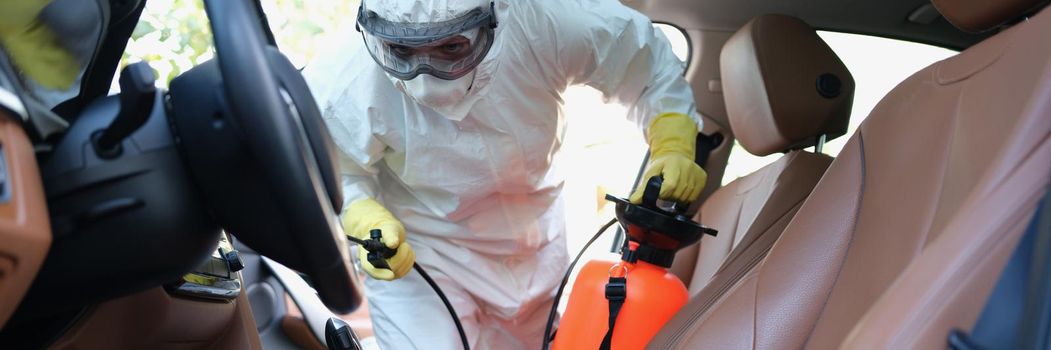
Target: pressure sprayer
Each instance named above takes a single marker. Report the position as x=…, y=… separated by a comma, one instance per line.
x=614, y=304
x=623, y=304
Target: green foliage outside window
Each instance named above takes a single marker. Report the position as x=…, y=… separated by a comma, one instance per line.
x=174, y=35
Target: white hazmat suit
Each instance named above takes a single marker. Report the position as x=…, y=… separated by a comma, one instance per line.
x=476, y=184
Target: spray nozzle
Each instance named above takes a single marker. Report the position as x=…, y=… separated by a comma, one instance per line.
x=378, y=252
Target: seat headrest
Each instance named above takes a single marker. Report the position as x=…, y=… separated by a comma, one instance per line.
x=783, y=86
x=981, y=15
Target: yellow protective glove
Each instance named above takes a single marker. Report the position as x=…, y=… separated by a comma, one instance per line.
x=363, y=216
x=32, y=46
x=673, y=143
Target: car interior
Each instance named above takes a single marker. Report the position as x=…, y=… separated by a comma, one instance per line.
x=204, y=215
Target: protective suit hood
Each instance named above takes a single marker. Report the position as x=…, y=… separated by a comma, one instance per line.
x=422, y=11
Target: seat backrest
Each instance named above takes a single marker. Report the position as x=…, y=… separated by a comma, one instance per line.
x=784, y=87
x=903, y=237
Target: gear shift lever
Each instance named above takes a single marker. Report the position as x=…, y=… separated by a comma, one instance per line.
x=137, y=95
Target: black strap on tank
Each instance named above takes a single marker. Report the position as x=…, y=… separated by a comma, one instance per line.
x=616, y=292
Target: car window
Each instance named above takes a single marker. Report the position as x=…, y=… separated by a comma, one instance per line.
x=877, y=64
x=680, y=44
x=303, y=29
x=172, y=36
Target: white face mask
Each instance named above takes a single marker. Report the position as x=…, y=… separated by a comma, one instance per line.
x=447, y=97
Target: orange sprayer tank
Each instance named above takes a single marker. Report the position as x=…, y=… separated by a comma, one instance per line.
x=654, y=295
x=647, y=294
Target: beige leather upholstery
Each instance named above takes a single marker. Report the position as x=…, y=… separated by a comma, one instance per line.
x=982, y=15
x=783, y=86
x=904, y=235
x=756, y=205
x=752, y=211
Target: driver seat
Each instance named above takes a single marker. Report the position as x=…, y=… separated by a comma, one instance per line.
x=773, y=106
x=904, y=237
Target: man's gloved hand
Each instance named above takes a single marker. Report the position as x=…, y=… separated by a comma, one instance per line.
x=673, y=142
x=365, y=215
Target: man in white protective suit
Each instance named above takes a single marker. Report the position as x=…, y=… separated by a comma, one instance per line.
x=448, y=115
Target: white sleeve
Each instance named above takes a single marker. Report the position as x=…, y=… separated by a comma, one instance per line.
x=615, y=49
x=333, y=79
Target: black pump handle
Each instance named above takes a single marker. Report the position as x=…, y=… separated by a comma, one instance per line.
x=652, y=193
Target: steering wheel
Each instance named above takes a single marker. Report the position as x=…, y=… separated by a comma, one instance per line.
x=262, y=155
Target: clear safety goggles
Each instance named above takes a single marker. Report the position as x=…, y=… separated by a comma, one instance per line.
x=447, y=50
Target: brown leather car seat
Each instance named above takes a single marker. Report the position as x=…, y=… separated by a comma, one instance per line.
x=784, y=114
x=903, y=238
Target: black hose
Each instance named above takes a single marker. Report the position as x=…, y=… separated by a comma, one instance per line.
x=437, y=290
x=448, y=305
x=565, y=279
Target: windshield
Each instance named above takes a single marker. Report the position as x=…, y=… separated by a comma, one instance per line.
x=174, y=35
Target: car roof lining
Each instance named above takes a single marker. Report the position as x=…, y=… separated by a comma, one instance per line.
x=885, y=18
